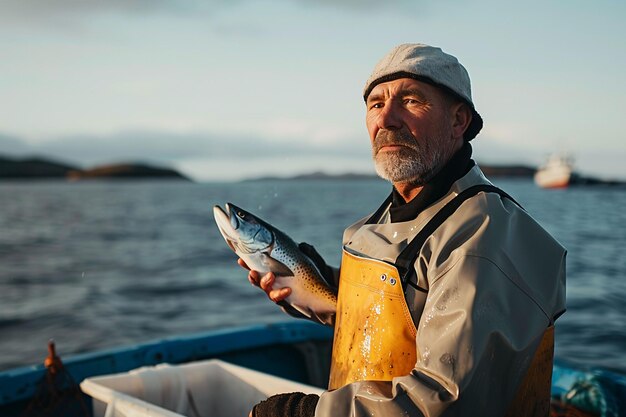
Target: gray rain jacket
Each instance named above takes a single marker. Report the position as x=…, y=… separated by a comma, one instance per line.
x=495, y=281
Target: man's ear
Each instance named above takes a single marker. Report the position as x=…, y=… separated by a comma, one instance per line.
x=461, y=118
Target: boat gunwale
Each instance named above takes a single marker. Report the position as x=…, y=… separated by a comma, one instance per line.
x=21, y=383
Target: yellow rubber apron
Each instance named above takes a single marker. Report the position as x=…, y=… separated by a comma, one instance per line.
x=374, y=331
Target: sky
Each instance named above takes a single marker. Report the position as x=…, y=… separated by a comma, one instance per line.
x=231, y=89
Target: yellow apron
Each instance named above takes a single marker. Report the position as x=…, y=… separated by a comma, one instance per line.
x=375, y=336
x=374, y=331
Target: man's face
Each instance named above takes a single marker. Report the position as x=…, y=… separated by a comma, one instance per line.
x=410, y=127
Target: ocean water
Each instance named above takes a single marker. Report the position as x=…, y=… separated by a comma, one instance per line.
x=95, y=265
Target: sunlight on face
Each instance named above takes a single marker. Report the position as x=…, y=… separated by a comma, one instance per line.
x=413, y=161
x=410, y=129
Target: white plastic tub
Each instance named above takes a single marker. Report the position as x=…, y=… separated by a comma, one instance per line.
x=201, y=389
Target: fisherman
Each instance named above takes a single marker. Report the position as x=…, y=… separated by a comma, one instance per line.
x=448, y=293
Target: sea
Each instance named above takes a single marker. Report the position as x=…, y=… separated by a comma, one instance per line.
x=97, y=265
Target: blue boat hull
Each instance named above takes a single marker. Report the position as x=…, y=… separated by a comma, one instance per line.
x=301, y=348
x=295, y=350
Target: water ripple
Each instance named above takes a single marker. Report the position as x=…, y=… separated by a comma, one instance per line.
x=137, y=261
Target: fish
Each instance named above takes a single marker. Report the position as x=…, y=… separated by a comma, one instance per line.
x=264, y=248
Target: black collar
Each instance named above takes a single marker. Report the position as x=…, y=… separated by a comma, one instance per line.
x=459, y=165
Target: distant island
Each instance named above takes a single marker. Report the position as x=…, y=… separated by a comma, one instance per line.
x=518, y=171
x=491, y=171
x=127, y=171
x=41, y=168
x=317, y=175
x=44, y=168
x=37, y=168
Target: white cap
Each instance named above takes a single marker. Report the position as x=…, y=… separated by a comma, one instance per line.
x=428, y=64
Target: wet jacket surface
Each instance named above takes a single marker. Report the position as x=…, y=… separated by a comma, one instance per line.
x=493, y=281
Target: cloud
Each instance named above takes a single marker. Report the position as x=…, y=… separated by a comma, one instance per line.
x=79, y=13
x=136, y=7
x=13, y=145
x=32, y=8
x=366, y=5
x=226, y=169
x=148, y=146
x=202, y=156
x=493, y=151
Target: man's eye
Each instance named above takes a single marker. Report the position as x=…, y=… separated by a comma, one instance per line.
x=376, y=106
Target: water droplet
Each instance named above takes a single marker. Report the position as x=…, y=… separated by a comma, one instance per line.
x=426, y=356
x=448, y=359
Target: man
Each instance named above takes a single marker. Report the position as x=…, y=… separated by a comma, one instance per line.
x=448, y=293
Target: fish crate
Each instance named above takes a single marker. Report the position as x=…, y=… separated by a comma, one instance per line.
x=211, y=388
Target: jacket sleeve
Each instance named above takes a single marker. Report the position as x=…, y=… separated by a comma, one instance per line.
x=475, y=340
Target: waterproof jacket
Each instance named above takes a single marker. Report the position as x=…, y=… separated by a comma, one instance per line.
x=490, y=281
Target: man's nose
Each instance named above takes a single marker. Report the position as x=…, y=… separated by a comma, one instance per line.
x=389, y=117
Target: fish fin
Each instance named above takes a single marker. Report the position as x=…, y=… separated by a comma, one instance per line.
x=289, y=309
x=303, y=310
x=327, y=317
x=324, y=317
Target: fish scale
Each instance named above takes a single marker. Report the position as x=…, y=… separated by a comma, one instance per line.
x=264, y=248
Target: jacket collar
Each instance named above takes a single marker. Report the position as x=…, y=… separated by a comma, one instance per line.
x=459, y=165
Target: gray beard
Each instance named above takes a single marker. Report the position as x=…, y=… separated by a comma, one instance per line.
x=417, y=162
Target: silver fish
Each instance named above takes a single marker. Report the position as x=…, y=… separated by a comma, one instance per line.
x=265, y=248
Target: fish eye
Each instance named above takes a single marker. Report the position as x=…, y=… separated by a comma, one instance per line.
x=241, y=214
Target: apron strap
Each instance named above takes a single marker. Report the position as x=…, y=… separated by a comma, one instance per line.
x=378, y=214
x=408, y=256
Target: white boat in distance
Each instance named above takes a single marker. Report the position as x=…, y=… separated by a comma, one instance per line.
x=557, y=172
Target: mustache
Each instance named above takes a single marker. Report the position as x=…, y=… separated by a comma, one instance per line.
x=393, y=137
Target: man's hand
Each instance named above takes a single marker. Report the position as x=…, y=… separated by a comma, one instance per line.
x=294, y=404
x=266, y=283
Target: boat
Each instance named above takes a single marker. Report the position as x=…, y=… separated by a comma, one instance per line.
x=557, y=172
x=296, y=351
